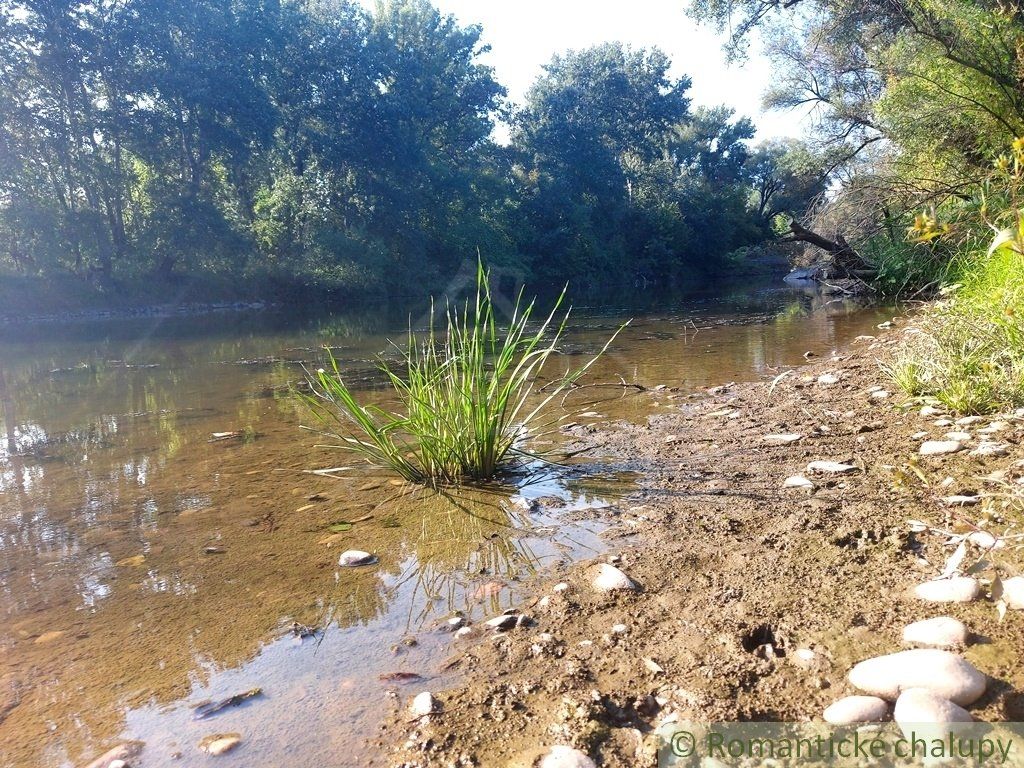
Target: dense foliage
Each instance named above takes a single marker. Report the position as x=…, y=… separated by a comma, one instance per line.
x=920, y=105
x=308, y=142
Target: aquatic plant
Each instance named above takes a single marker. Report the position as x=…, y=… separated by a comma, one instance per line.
x=466, y=396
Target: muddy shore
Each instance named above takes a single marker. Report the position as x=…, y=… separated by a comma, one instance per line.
x=754, y=600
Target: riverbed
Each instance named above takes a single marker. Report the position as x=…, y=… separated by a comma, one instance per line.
x=168, y=537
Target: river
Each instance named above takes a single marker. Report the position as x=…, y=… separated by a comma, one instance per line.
x=148, y=563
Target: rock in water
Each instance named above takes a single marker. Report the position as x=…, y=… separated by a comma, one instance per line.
x=940, y=632
x=609, y=579
x=219, y=743
x=120, y=754
x=959, y=589
x=830, y=467
x=424, y=704
x=355, y=557
x=943, y=673
x=917, y=706
x=857, y=709
x=939, y=447
x=565, y=757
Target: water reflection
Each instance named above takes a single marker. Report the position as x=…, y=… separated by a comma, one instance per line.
x=144, y=567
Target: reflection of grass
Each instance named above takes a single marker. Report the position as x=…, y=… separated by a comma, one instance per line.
x=464, y=396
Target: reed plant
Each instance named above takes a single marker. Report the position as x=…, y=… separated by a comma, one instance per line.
x=466, y=400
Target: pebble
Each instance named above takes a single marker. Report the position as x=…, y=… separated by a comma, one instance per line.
x=561, y=586
x=502, y=623
x=995, y=426
x=424, y=704
x=219, y=743
x=881, y=394
x=797, y=481
x=966, y=421
x=857, y=709
x=958, y=589
x=960, y=437
x=918, y=706
x=943, y=423
x=991, y=450
x=940, y=632
x=609, y=579
x=784, y=439
x=930, y=410
x=828, y=379
x=565, y=757
x=619, y=629
x=985, y=540
x=939, y=447
x=355, y=557
x=830, y=467
x=1013, y=593
x=122, y=753
x=919, y=436
x=941, y=672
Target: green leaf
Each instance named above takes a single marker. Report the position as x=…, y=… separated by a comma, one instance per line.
x=340, y=527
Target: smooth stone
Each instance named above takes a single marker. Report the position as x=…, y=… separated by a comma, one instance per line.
x=501, y=623
x=1013, y=593
x=966, y=421
x=797, y=481
x=985, y=540
x=610, y=579
x=355, y=557
x=941, y=672
x=919, y=436
x=961, y=501
x=940, y=632
x=219, y=743
x=919, y=706
x=785, y=439
x=995, y=426
x=991, y=450
x=565, y=757
x=958, y=589
x=828, y=379
x=830, y=467
x=561, y=586
x=122, y=753
x=960, y=437
x=943, y=422
x=939, y=447
x=857, y=709
x=930, y=410
x=879, y=395
x=424, y=704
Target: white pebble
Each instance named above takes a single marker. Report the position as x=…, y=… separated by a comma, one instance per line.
x=941, y=672
x=939, y=447
x=930, y=410
x=609, y=579
x=991, y=450
x=827, y=379
x=565, y=757
x=356, y=557
x=424, y=704
x=783, y=439
x=961, y=501
x=918, y=706
x=960, y=437
x=797, y=481
x=958, y=589
x=1013, y=593
x=857, y=709
x=940, y=632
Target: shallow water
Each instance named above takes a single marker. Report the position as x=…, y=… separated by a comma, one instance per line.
x=145, y=567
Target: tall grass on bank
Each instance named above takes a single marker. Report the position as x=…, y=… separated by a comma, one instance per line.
x=969, y=351
x=466, y=395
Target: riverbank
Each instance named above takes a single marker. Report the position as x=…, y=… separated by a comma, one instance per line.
x=753, y=601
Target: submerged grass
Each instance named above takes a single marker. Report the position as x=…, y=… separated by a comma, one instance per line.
x=466, y=396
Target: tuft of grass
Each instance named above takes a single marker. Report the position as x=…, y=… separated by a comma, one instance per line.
x=969, y=351
x=466, y=395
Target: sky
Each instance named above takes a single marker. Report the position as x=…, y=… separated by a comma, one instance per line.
x=525, y=34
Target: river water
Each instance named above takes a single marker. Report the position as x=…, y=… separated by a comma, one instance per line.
x=147, y=567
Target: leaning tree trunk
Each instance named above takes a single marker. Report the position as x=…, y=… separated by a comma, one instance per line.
x=846, y=261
